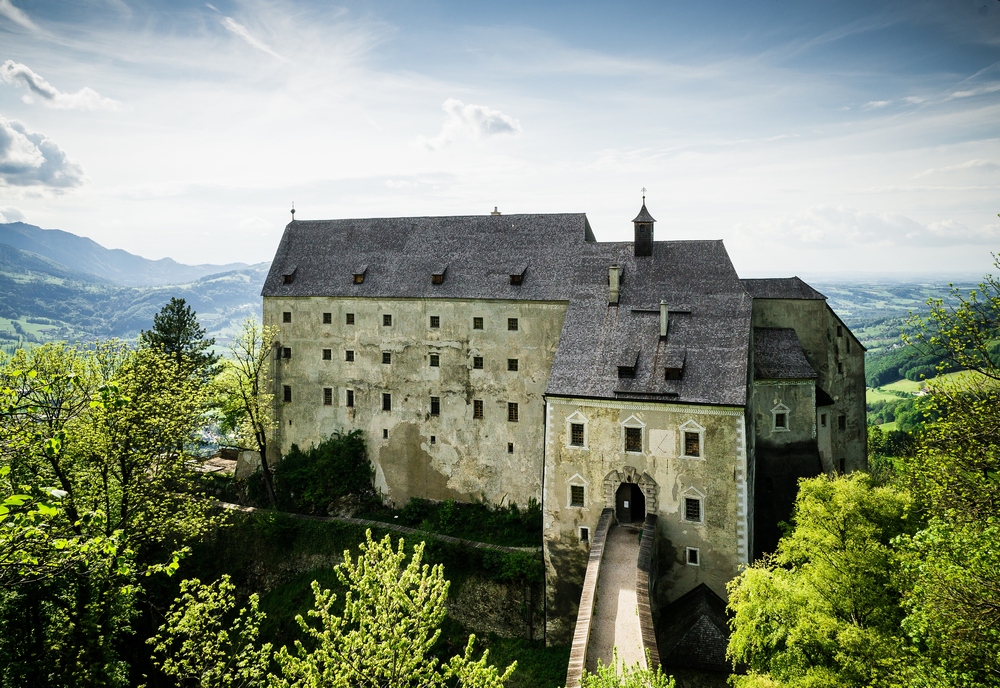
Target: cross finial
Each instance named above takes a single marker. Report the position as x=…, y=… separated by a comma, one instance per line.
x=644, y=195
x=293, y=211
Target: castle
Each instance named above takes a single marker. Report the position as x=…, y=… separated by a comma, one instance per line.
x=515, y=357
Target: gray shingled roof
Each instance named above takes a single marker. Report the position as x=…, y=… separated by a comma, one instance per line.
x=778, y=355
x=710, y=310
x=644, y=215
x=694, y=631
x=780, y=288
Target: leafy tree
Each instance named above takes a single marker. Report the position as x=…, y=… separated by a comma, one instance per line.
x=965, y=334
x=245, y=385
x=177, y=331
x=611, y=676
x=311, y=481
x=826, y=609
x=102, y=428
x=201, y=644
x=392, y=615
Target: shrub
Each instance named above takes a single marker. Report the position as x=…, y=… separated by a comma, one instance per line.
x=314, y=480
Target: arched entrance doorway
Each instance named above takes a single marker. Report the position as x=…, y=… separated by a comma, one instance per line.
x=639, y=490
x=630, y=504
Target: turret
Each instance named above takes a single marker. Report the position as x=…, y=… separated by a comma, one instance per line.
x=643, y=231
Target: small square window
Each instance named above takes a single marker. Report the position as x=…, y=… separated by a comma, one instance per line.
x=840, y=331
x=692, y=509
x=512, y=324
x=843, y=466
x=327, y=396
x=286, y=317
x=584, y=534
x=350, y=398
x=434, y=439
x=385, y=433
x=516, y=279
x=842, y=422
x=510, y=447
x=387, y=320
x=822, y=420
x=349, y=356
x=435, y=360
x=328, y=318
x=286, y=352
x=477, y=408
x=286, y=393
x=477, y=362
x=349, y=319
x=692, y=444
x=288, y=279
x=435, y=321
x=781, y=421
x=512, y=364
x=512, y=414
x=633, y=439
x=840, y=368
x=437, y=279
x=386, y=357
x=386, y=402
x=477, y=323
x=693, y=556
x=359, y=278
x=576, y=434
x=672, y=373
x=435, y=406
x=577, y=495
x=327, y=354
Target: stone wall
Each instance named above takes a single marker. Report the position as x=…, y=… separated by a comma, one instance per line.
x=416, y=453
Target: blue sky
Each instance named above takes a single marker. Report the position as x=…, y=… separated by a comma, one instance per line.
x=814, y=138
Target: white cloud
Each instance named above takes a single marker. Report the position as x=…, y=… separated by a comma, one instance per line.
x=914, y=100
x=981, y=90
x=470, y=122
x=28, y=158
x=826, y=226
x=17, y=74
x=243, y=32
x=9, y=213
x=7, y=9
x=876, y=104
x=967, y=165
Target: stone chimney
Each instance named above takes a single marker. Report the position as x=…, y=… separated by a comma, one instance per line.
x=614, y=284
x=663, y=319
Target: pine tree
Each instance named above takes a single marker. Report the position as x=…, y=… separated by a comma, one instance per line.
x=177, y=331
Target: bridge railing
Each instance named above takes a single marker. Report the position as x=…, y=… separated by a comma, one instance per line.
x=581, y=637
x=645, y=582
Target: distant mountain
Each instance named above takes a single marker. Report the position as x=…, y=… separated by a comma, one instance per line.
x=114, y=265
x=41, y=300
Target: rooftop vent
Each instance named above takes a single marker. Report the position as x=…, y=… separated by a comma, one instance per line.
x=614, y=284
x=495, y=211
x=664, y=319
x=359, y=274
x=673, y=368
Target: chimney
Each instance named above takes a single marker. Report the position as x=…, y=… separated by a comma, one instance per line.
x=614, y=282
x=663, y=319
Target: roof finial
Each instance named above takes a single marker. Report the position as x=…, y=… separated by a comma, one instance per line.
x=293, y=211
x=644, y=195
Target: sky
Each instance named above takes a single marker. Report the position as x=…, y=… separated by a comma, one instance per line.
x=850, y=138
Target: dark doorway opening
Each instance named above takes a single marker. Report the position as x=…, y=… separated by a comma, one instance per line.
x=630, y=504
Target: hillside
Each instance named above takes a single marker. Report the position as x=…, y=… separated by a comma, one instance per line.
x=43, y=301
x=86, y=256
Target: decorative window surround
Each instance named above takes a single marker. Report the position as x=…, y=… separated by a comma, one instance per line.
x=692, y=493
x=633, y=422
x=691, y=426
x=578, y=419
x=578, y=482
x=778, y=414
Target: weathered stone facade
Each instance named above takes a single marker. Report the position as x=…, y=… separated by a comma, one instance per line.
x=515, y=358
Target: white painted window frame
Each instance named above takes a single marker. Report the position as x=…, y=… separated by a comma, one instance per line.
x=780, y=408
x=634, y=422
x=691, y=425
x=579, y=419
x=693, y=492
x=687, y=555
x=577, y=480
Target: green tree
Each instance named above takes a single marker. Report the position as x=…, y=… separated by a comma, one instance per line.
x=245, y=384
x=177, y=331
x=615, y=675
x=391, y=620
x=826, y=609
x=203, y=644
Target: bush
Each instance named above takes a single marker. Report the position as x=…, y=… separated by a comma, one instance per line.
x=314, y=481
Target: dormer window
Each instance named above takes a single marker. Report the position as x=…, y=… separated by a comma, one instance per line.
x=628, y=363
x=437, y=277
x=673, y=368
x=517, y=275
x=359, y=274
